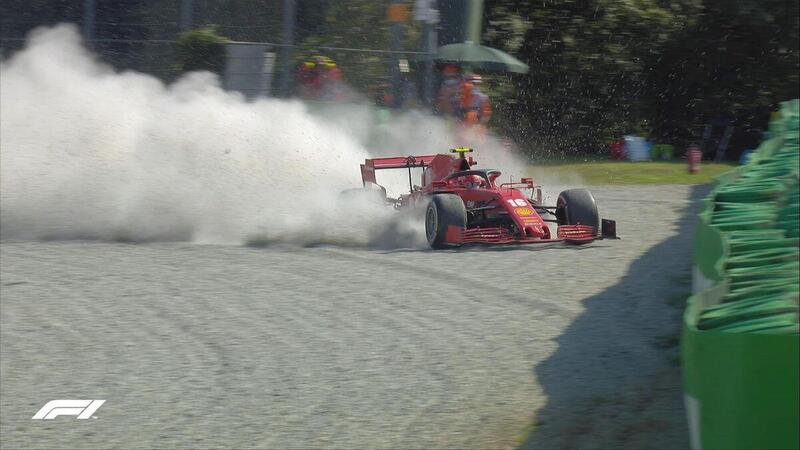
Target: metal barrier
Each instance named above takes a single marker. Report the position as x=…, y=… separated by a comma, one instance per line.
x=249, y=68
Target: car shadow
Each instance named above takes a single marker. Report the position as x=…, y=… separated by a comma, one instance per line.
x=614, y=380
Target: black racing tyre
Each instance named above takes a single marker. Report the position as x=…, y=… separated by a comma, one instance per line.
x=443, y=211
x=577, y=206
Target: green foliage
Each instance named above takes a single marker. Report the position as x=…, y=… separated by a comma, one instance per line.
x=604, y=172
x=602, y=68
x=663, y=151
x=740, y=60
x=202, y=49
x=352, y=24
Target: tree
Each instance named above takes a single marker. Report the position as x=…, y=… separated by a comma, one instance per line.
x=739, y=60
x=588, y=65
x=601, y=68
x=352, y=24
x=202, y=49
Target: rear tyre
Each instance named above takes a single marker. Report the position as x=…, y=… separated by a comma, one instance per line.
x=444, y=211
x=577, y=207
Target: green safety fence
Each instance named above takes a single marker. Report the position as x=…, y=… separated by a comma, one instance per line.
x=741, y=336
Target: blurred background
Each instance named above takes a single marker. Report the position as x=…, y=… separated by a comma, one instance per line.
x=676, y=73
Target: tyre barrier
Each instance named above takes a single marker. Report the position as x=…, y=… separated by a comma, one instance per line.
x=741, y=332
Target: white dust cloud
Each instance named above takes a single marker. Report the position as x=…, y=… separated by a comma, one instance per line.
x=87, y=152
x=91, y=153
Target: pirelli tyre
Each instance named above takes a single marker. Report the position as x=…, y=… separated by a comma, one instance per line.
x=445, y=214
x=577, y=207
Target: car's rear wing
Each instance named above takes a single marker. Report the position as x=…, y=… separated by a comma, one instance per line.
x=398, y=162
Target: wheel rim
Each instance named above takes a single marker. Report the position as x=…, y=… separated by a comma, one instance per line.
x=430, y=224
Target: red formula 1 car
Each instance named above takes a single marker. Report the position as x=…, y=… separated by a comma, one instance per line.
x=464, y=205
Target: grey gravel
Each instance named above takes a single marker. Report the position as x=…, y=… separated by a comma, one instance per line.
x=286, y=347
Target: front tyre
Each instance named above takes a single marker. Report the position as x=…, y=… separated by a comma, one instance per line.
x=445, y=213
x=577, y=207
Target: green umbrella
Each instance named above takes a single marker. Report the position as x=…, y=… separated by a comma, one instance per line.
x=480, y=57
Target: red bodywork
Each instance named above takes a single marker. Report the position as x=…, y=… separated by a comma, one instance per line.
x=497, y=213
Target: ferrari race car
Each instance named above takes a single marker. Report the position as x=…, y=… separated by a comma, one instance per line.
x=467, y=205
